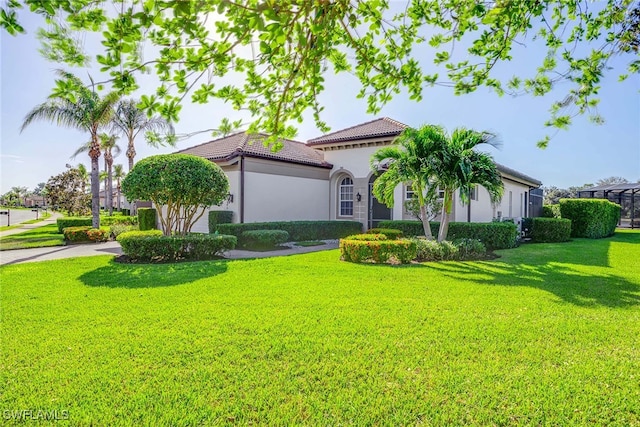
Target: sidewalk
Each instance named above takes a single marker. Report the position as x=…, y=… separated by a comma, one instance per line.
x=113, y=248
x=24, y=227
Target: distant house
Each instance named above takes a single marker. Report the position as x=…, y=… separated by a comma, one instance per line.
x=330, y=177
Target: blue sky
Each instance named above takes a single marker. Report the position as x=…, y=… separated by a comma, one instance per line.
x=581, y=155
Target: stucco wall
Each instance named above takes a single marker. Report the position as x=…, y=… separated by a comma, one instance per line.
x=483, y=211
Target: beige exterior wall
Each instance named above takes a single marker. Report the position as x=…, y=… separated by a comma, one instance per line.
x=233, y=173
x=483, y=211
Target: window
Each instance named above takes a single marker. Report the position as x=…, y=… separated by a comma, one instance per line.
x=474, y=193
x=408, y=192
x=346, y=197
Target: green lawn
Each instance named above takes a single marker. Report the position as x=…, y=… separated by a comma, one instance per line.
x=40, y=237
x=548, y=334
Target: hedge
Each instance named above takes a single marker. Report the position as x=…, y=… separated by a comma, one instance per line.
x=147, y=219
x=298, y=230
x=550, y=230
x=409, y=227
x=86, y=221
x=592, y=218
x=86, y=233
x=154, y=247
x=219, y=217
x=380, y=251
x=494, y=235
x=370, y=237
x=392, y=234
x=263, y=238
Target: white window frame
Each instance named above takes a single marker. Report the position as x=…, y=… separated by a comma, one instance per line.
x=345, y=197
x=474, y=193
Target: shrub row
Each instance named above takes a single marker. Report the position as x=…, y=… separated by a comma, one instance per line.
x=392, y=234
x=494, y=235
x=263, y=238
x=86, y=234
x=219, y=217
x=147, y=219
x=377, y=251
x=592, y=218
x=550, y=230
x=86, y=221
x=152, y=246
x=369, y=237
x=462, y=249
x=298, y=230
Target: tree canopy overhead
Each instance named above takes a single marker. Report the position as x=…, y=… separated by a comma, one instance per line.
x=283, y=50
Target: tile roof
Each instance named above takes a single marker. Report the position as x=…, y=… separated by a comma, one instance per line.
x=373, y=129
x=517, y=174
x=251, y=145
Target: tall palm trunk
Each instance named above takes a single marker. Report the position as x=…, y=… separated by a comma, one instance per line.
x=106, y=181
x=423, y=213
x=94, y=154
x=109, y=187
x=446, y=211
x=131, y=150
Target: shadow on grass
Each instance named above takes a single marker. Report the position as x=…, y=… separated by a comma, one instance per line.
x=117, y=275
x=585, y=289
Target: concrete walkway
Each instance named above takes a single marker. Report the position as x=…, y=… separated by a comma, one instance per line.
x=24, y=227
x=113, y=248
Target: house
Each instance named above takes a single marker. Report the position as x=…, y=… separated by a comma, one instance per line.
x=330, y=177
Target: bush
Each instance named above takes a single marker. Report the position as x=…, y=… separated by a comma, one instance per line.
x=118, y=229
x=86, y=234
x=592, y=218
x=298, y=230
x=73, y=222
x=380, y=251
x=550, y=230
x=119, y=219
x=551, y=211
x=469, y=249
x=219, y=217
x=125, y=211
x=152, y=246
x=409, y=228
x=147, y=219
x=367, y=237
x=392, y=234
x=494, y=235
x=430, y=250
x=263, y=238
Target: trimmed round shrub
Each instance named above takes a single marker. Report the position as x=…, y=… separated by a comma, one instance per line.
x=263, y=238
x=431, y=250
x=550, y=230
x=147, y=219
x=469, y=249
x=392, y=234
x=377, y=251
x=118, y=229
x=86, y=234
x=152, y=246
x=72, y=222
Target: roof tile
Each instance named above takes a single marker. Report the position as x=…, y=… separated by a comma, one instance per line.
x=372, y=129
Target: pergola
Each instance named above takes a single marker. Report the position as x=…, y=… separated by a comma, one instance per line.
x=626, y=195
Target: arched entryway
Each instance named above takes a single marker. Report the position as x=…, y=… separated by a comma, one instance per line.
x=377, y=211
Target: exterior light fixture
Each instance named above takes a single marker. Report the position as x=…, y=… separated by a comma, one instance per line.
x=359, y=197
x=229, y=198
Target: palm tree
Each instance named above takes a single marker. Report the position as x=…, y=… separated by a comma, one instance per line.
x=81, y=108
x=84, y=174
x=118, y=174
x=21, y=193
x=109, y=147
x=129, y=121
x=457, y=166
x=408, y=160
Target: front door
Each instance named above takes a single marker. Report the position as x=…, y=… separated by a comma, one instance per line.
x=377, y=211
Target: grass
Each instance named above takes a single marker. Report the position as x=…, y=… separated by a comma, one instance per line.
x=545, y=335
x=42, y=216
x=40, y=237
